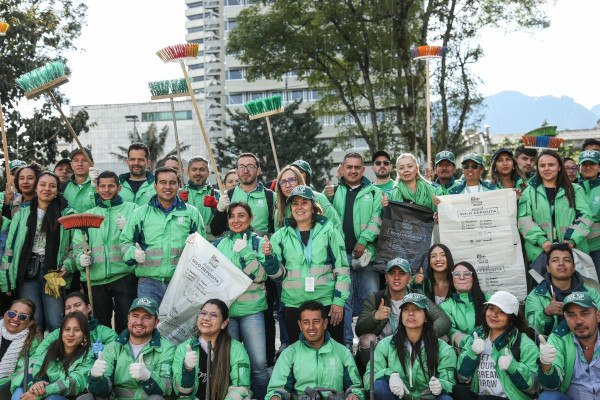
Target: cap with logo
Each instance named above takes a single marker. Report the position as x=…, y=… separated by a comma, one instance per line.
x=583, y=299
x=473, y=157
x=146, y=303
x=445, y=155
x=589, y=155
x=403, y=264
x=14, y=164
x=302, y=191
x=380, y=153
x=78, y=151
x=418, y=299
x=506, y=301
x=304, y=166
x=500, y=151
x=63, y=161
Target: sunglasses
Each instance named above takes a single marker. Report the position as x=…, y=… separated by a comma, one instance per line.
x=470, y=166
x=210, y=315
x=466, y=274
x=386, y=163
x=12, y=314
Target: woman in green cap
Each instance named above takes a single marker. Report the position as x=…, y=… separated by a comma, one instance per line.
x=473, y=169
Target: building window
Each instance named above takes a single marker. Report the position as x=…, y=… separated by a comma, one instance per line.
x=196, y=4
x=196, y=66
x=198, y=78
x=196, y=29
x=165, y=116
x=235, y=74
x=197, y=41
x=235, y=98
x=295, y=95
x=195, y=17
x=230, y=24
x=257, y=95
x=233, y=2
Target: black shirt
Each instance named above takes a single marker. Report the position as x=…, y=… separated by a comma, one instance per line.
x=202, y=375
x=348, y=222
x=550, y=194
x=305, y=235
x=135, y=184
x=4, y=346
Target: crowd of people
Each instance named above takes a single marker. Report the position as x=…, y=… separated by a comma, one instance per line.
x=310, y=255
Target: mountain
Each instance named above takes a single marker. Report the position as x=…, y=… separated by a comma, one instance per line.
x=514, y=112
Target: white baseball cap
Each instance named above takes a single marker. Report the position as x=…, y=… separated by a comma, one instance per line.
x=506, y=301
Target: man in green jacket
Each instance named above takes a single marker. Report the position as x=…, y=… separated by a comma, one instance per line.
x=543, y=307
x=445, y=168
x=137, y=365
x=589, y=169
x=569, y=366
x=138, y=184
x=382, y=166
x=114, y=284
x=526, y=158
x=314, y=361
x=154, y=237
x=80, y=190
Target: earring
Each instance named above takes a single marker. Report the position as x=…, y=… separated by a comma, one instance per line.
x=84, y=342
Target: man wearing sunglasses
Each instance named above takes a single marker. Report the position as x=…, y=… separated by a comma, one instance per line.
x=382, y=168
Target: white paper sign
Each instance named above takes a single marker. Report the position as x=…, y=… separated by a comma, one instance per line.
x=481, y=228
x=202, y=273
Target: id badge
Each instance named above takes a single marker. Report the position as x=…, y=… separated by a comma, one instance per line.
x=309, y=284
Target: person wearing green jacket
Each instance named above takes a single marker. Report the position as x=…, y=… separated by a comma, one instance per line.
x=552, y=210
x=24, y=181
x=526, y=158
x=114, y=284
x=569, y=365
x=410, y=186
x=61, y=372
x=589, y=161
x=230, y=370
x=138, y=364
x=499, y=359
x=154, y=237
x=473, y=168
x=312, y=252
x=254, y=256
x=315, y=361
x=138, y=185
x=413, y=363
x=465, y=304
x=38, y=244
x=445, y=168
x=80, y=191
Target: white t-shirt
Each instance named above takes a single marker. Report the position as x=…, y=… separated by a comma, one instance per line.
x=439, y=300
x=489, y=383
x=136, y=349
x=474, y=189
x=388, y=329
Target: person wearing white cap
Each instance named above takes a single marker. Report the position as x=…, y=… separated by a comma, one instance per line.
x=499, y=360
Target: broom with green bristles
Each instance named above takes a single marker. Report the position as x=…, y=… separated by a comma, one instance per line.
x=3, y=28
x=169, y=90
x=44, y=80
x=180, y=53
x=264, y=108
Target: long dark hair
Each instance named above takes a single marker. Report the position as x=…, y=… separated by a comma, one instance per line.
x=35, y=167
x=517, y=324
x=219, y=377
x=34, y=330
x=56, y=350
x=476, y=293
x=57, y=205
x=562, y=179
x=516, y=172
x=429, y=341
x=429, y=281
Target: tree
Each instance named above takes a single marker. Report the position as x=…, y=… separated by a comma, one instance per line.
x=295, y=136
x=156, y=144
x=40, y=32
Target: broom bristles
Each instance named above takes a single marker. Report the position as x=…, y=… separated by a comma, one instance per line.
x=41, y=76
x=428, y=51
x=543, y=142
x=264, y=104
x=178, y=51
x=163, y=88
x=78, y=221
x=3, y=28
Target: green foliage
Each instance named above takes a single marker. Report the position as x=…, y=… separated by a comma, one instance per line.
x=295, y=136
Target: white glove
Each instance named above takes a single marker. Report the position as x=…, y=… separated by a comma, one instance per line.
x=140, y=255
x=365, y=259
x=99, y=367
x=121, y=222
x=398, y=387
x=85, y=260
x=478, y=345
x=547, y=352
x=139, y=371
x=435, y=386
x=223, y=203
x=505, y=360
x=191, y=358
x=240, y=244
x=93, y=174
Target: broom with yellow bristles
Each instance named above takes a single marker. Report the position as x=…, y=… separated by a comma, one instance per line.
x=3, y=28
x=264, y=108
x=180, y=53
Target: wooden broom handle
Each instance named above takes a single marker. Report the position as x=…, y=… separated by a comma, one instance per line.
x=177, y=142
x=4, y=145
x=272, y=144
x=87, y=273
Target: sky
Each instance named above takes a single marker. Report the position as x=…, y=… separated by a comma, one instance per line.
x=121, y=38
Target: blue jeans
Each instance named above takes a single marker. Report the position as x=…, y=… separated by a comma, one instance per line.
x=152, y=288
x=364, y=281
x=383, y=392
x=250, y=330
x=553, y=396
x=49, y=310
x=19, y=391
x=596, y=259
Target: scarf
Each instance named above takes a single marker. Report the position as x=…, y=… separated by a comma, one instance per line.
x=422, y=197
x=9, y=361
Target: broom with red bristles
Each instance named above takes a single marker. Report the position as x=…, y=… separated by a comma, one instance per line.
x=180, y=53
x=83, y=222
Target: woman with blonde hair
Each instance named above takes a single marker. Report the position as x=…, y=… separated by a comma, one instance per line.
x=410, y=186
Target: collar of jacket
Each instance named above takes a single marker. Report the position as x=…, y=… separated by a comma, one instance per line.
x=178, y=207
x=123, y=338
x=321, y=220
x=87, y=180
x=463, y=184
x=259, y=187
x=592, y=182
x=305, y=343
x=364, y=182
x=446, y=185
x=149, y=177
x=248, y=232
x=193, y=186
x=117, y=201
x=93, y=323
x=461, y=297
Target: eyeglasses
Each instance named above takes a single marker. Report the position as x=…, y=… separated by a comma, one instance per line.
x=250, y=167
x=12, y=314
x=379, y=162
x=571, y=168
x=466, y=274
x=210, y=315
x=470, y=166
x=284, y=182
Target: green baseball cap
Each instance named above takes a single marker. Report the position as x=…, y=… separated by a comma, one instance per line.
x=14, y=164
x=589, y=155
x=473, y=157
x=398, y=262
x=583, y=299
x=146, y=303
x=78, y=151
x=418, y=299
x=304, y=166
x=445, y=155
x=63, y=161
x=302, y=191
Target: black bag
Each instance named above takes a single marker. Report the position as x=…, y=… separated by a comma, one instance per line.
x=34, y=267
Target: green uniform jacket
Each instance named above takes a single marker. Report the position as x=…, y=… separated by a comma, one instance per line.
x=396, y=195
x=144, y=193
x=536, y=224
x=461, y=311
x=256, y=265
x=300, y=366
x=158, y=357
x=442, y=190
x=328, y=265
x=69, y=384
x=19, y=368
x=366, y=322
x=80, y=198
x=161, y=236
x=367, y=212
x=107, y=260
x=14, y=244
x=257, y=201
x=519, y=381
x=386, y=362
x=97, y=332
x=196, y=198
x=461, y=187
x=328, y=211
x=538, y=299
x=592, y=196
x=185, y=383
x=560, y=374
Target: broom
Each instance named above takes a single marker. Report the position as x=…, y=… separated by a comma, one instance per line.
x=264, y=108
x=43, y=80
x=170, y=90
x=83, y=221
x=3, y=28
x=543, y=138
x=180, y=53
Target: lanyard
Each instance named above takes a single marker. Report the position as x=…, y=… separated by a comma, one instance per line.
x=307, y=250
x=392, y=322
x=478, y=188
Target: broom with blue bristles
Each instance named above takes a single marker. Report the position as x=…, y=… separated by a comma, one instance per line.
x=542, y=138
x=264, y=108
